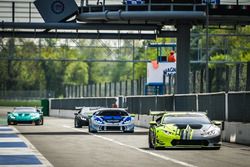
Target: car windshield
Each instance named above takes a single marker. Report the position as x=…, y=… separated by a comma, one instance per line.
x=26, y=110
x=185, y=119
x=88, y=112
x=112, y=113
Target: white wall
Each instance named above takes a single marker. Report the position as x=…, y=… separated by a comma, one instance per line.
x=237, y=132
x=62, y=113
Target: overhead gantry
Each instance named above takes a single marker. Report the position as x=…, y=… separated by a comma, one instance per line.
x=125, y=21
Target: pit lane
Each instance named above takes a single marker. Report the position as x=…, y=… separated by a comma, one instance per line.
x=63, y=145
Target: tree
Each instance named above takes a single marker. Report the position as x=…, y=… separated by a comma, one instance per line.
x=76, y=73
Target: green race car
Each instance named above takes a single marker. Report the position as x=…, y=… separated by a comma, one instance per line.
x=182, y=130
x=25, y=115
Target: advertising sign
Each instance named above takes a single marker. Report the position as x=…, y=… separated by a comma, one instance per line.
x=156, y=70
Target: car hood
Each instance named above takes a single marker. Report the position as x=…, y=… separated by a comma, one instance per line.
x=22, y=114
x=194, y=130
x=192, y=126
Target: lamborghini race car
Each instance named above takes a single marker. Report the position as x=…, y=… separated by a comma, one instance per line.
x=25, y=115
x=111, y=119
x=184, y=129
x=83, y=115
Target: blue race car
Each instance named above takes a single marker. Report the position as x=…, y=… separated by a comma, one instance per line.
x=111, y=119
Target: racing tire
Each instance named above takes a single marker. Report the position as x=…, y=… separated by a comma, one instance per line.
x=150, y=142
x=38, y=122
x=76, y=123
x=41, y=121
x=91, y=131
x=8, y=122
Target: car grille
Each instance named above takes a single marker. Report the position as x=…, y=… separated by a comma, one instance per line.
x=25, y=122
x=23, y=115
x=193, y=126
x=190, y=142
x=112, y=128
x=113, y=121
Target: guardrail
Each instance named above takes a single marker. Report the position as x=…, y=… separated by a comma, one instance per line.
x=232, y=106
x=19, y=11
x=70, y=104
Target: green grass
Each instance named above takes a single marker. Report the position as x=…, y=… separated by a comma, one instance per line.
x=18, y=103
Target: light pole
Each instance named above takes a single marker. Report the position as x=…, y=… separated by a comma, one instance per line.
x=207, y=45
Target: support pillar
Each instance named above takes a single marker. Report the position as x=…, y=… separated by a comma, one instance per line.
x=182, y=63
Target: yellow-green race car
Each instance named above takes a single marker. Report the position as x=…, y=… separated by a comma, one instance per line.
x=183, y=130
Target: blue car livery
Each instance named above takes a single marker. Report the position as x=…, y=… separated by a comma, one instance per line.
x=111, y=119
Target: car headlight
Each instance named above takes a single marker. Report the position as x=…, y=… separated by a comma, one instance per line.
x=12, y=117
x=34, y=115
x=127, y=120
x=167, y=132
x=98, y=121
x=83, y=118
x=212, y=132
x=15, y=114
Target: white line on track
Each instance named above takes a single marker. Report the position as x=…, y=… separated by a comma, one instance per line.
x=138, y=149
x=23, y=165
x=4, y=127
x=10, y=139
x=15, y=151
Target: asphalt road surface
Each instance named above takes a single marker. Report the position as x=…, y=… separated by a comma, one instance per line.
x=65, y=146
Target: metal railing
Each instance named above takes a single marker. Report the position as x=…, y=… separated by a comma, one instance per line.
x=25, y=11
x=129, y=87
x=232, y=106
x=19, y=11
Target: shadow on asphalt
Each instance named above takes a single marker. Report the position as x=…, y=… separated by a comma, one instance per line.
x=121, y=133
x=82, y=133
x=179, y=149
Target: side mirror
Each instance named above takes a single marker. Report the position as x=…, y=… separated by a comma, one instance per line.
x=217, y=123
x=39, y=111
x=132, y=115
x=8, y=112
x=75, y=114
x=152, y=123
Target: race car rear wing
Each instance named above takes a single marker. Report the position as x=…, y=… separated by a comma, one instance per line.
x=160, y=113
x=90, y=108
x=157, y=113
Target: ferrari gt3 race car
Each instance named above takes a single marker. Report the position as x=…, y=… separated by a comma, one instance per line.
x=111, y=119
x=182, y=130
